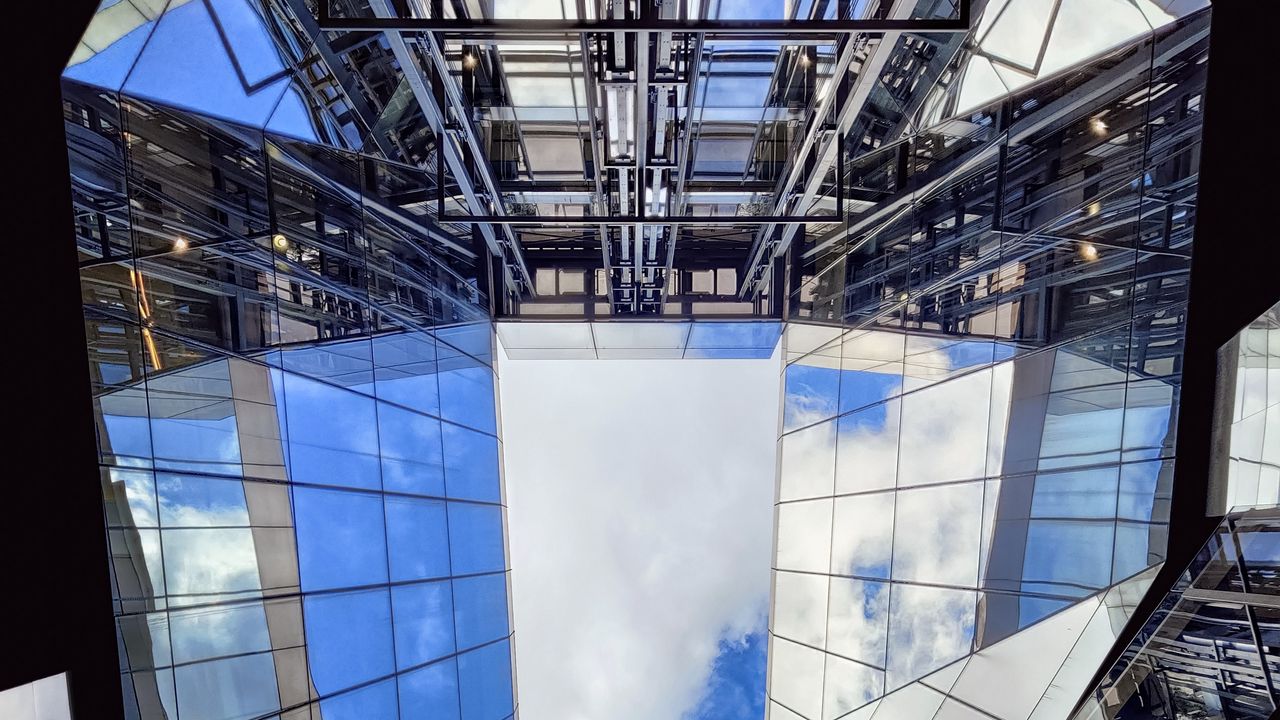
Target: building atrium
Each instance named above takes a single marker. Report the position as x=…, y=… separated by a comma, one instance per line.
x=666, y=359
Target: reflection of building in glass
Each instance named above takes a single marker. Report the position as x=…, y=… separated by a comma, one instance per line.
x=1249, y=385
x=1210, y=649
x=977, y=446
x=297, y=223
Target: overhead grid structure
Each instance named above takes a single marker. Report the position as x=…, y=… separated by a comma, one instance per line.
x=643, y=158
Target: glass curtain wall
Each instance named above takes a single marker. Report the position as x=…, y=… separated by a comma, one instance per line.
x=1249, y=372
x=293, y=383
x=1210, y=648
x=981, y=392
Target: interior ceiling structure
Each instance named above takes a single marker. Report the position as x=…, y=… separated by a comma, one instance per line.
x=639, y=157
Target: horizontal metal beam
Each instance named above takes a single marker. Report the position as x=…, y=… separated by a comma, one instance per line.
x=1237, y=598
x=642, y=220
x=780, y=28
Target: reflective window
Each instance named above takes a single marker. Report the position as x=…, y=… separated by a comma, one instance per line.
x=484, y=682
x=431, y=691
x=480, y=609
x=348, y=638
x=471, y=464
x=418, y=536
x=424, y=628
x=475, y=537
x=340, y=538
x=411, y=452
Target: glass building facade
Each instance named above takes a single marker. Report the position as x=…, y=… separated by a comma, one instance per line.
x=1249, y=430
x=294, y=388
x=979, y=435
x=297, y=223
x=1210, y=648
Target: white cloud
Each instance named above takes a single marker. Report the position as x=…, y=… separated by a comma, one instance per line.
x=640, y=499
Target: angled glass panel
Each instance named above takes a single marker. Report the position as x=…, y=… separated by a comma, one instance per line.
x=204, y=633
x=848, y=685
x=195, y=501
x=467, y=390
x=129, y=497
x=405, y=370
x=96, y=154
x=944, y=431
x=804, y=536
x=192, y=62
x=236, y=687
x=110, y=45
x=928, y=628
x=201, y=564
x=812, y=392
x=796, y=677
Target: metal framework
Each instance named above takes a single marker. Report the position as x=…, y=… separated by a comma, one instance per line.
x=691, y=130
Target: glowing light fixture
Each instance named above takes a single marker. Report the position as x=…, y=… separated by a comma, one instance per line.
x=1089, y=252
x=280, y=242
x=1098, y=127
x=469, y=61
x=180, y=244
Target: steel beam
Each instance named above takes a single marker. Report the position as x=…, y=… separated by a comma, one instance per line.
x=439, y=124
x=750, y=28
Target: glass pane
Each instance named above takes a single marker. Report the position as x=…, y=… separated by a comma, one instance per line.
x=476, y=538
x=484, y=682
x=928, y=628
x=348, y=638
x=800, y=607
x=424, y=624
x=417, y=538
x=431, y=691
x=867, y=448
x=936, y=534
x=411, y=451
x=333, y=434
x=808, y=463
x=804, y=536
x=340, y=538
x=944, y=431
x=480, y=609
x=858, y=620
x=471, y=464
x=862, y=535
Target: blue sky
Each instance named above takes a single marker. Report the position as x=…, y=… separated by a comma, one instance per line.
x=640, y=498
x=735, y=689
